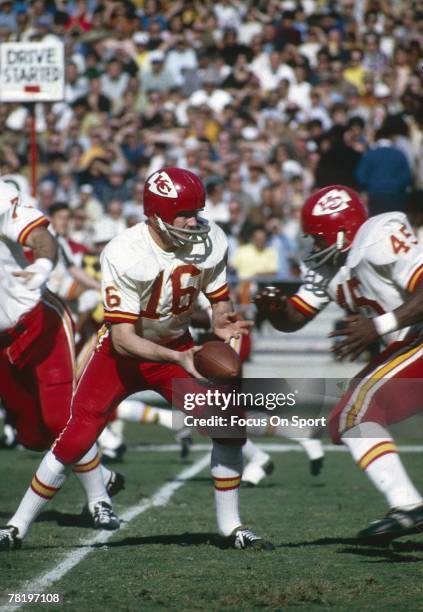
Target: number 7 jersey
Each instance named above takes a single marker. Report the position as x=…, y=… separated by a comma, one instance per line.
x=383, y=266
x=156, y=289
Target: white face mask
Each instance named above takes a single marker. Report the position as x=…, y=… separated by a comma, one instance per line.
x=9, y=195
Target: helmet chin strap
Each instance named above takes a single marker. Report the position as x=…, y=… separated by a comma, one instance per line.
x=180, y=237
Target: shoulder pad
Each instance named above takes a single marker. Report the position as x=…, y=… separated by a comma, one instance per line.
x=372, y=239
x=130, y=254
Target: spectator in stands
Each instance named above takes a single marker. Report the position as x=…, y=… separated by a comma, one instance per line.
x=384, y=173
x=255, y=259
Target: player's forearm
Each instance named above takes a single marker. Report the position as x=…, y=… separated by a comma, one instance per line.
x=219, y=309
x=85, y=279
x=43, y=244
x=288, y=320
x=128, y=344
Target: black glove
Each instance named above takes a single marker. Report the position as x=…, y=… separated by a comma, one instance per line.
x=270, y=302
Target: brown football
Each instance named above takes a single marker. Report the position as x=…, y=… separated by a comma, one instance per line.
x=217, y=360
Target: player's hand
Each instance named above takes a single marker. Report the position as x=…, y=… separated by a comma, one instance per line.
x=270, y=301
x=228, y=325
x=186, y=360
x=358, y=333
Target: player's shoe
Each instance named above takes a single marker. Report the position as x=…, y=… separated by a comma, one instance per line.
x=395, y=524
x=185, y=440
x=244, y=538
x=9, y=538
x=115, y=484
x=9, y=438
x=255, y=471
x=316, y=466
x=104, y=517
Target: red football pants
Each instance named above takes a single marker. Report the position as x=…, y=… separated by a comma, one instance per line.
x=388, y=390
x=37, y=372
x=107, y=380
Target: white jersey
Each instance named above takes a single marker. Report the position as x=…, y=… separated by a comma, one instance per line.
x=157, y=289
x=15, y=298
x=383, y=266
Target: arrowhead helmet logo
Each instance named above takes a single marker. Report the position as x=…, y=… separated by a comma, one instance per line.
x=333, y=201
x=161, y=184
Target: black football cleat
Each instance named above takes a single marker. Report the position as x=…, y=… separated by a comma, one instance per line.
x=103, y=517
x=9, y=538
x=395, y=524
x=244, y=538
x=116, y=484
x=316, y=466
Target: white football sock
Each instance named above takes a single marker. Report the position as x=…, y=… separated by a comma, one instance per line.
x=108, y=440
x=375, y=452
x=107, y=474
x=226, y=469
x=139, y=412
x=89, y=473
x=251, y=452
x=48, y=479
x=313, y=448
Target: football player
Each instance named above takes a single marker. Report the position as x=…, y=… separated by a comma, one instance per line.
x=36, y=348
x=373, y=268
x=151, y=276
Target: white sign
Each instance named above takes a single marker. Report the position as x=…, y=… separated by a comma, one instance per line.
x=32, y=72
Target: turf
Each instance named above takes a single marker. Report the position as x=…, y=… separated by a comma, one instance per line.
x=170, y=558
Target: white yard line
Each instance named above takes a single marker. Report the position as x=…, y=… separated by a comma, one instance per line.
x=160, y=498
x=273, y=448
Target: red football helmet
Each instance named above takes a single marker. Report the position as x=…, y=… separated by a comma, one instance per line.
x=334, y=213
x=170, y=192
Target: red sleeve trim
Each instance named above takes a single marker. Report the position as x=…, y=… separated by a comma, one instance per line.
x=218, y=295
x=302, y=306
x=40, y=222
x=416, y=279
x=118, y=316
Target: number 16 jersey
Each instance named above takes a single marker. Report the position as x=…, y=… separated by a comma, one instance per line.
x=156, y=289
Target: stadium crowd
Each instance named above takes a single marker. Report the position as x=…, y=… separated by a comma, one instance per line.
x=264, y=100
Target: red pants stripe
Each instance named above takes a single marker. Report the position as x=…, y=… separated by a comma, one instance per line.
x=388, y=390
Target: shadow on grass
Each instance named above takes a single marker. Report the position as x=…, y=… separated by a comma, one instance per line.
x=394, y=552
x=66, y=519
x=180, y=539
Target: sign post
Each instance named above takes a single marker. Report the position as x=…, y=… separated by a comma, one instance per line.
x=29, y=73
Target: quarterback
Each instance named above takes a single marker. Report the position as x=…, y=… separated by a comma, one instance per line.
x=36, y=347
x=373, y=268
x=152, y=274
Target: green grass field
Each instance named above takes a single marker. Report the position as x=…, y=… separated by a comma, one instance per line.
x=169, y=557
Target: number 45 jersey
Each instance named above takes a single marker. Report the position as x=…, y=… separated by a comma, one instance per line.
x=156, y=289
x=383, y=266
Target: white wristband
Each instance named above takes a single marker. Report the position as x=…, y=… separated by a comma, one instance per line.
x=43, y=266
x=386, y=323
x=40, y=271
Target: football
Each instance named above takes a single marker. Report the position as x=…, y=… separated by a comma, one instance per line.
x=217, y=361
